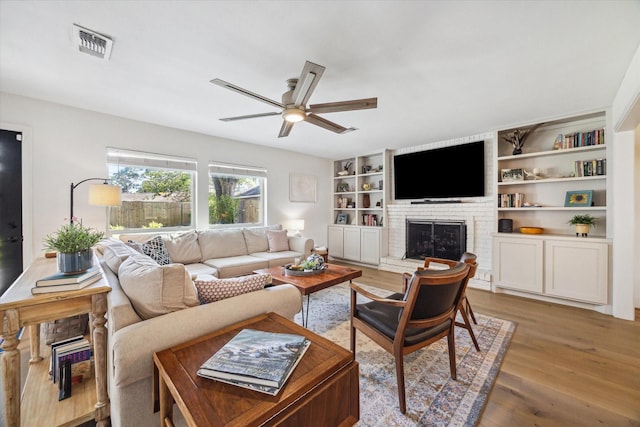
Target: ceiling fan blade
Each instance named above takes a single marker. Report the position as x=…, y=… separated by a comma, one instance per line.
x=334, y=107
x=247, y=93
x=329, y=125
x=285, y=129
x=250, y=116
x=307, y=83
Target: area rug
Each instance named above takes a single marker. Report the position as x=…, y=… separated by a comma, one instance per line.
x=433, y=398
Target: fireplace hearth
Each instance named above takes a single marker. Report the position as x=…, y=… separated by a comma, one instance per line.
x=435, y=238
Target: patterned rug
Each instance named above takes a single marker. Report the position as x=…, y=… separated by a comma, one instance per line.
x=433, y=398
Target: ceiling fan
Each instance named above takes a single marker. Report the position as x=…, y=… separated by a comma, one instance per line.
x=294, y=107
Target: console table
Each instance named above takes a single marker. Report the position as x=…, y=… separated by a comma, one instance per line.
x=18, y=308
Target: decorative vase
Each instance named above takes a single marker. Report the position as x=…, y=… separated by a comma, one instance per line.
x=366, y=202
x=517, y=151
x=75, y=262
x=582, y=230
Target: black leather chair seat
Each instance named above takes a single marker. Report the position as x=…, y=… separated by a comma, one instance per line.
x=385, y=318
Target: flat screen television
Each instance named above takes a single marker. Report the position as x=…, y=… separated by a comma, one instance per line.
x=448, y=172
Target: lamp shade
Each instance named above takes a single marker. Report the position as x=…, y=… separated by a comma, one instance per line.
x=105, y=195
x=297, y=224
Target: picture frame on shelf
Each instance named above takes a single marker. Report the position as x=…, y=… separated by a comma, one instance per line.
x=342, y=218
x=512, y=175
x=578, y=199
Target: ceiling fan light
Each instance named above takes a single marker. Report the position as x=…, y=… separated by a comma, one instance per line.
x=293, y=115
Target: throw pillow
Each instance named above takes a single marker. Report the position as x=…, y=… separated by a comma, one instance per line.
x=183, y=247
x=156, y=250
x=156, y=289
x=278, y=241
x=211, y=289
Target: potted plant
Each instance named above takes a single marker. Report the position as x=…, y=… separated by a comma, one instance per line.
x=583, y=223
x=73, y=242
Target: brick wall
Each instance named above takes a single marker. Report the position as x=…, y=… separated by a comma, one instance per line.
x=478, y=213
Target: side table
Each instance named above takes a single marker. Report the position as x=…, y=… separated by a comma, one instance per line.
x=18, y=308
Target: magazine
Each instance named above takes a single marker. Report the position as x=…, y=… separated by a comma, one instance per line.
x=256, y=357
x=67, y=279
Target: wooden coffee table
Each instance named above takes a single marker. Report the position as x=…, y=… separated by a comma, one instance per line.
x=323, y=390
x=333, y=275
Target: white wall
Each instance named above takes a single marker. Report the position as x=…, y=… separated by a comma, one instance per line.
x=68, y=145
x=626, y=193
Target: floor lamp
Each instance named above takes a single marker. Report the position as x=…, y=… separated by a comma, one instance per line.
x=104, y=194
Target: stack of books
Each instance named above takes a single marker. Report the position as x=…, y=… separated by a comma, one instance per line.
x=70, y=363
x=66, y=282
x=257, y=360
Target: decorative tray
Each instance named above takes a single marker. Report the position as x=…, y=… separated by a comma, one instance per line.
x=531, y=230
x=289, y=272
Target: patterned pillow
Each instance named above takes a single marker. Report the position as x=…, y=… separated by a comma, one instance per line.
x=211, y=289
x=156, y=250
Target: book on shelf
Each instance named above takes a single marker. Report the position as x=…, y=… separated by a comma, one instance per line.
x=76, y=350
x=256, y=358
x=67, y=287
x=68, y=279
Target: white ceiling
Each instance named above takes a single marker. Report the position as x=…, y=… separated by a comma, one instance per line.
x=440, y=69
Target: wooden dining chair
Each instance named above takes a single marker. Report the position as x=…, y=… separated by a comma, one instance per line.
x=402, y=323
x=465, y=308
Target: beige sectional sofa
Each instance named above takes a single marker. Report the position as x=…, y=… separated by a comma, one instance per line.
x=172, y=313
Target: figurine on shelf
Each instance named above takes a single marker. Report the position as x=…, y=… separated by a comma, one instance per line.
x=518, y=137
x=345, y=168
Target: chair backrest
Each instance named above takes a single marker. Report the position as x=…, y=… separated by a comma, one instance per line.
x=434, y=293
x=470, y=258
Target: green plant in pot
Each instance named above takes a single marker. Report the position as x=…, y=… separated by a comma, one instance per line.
x=73, y=242
x=583, y=223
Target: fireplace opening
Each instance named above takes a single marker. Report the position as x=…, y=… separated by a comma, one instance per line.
x=435, y=238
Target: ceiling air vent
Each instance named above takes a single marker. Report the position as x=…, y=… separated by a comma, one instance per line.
x=93, y=43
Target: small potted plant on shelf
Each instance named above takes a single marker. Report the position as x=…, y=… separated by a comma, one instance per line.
x=583, y=223
x=73, y=242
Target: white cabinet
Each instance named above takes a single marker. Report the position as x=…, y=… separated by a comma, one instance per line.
x=352, y=243
x=577, y=270
x=554, y=266
x=336, y=241
x=519, y=263
x=358, y=244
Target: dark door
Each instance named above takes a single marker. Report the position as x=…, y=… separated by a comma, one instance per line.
x=10, y=207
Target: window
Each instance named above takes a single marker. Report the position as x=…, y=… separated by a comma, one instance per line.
x=157, y=190
x=237, y=194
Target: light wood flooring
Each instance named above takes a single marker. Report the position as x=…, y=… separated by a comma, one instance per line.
x=565, y=366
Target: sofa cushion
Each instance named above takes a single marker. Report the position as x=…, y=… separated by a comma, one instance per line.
x=115, y=254
x=256, y=239
x=237, y=265
x=278, y=240
x=156, y=250
x=198, y=268
x=183, y=247
x=212, y=289
x=156, y=289
x=278, y=258
x=222, y=243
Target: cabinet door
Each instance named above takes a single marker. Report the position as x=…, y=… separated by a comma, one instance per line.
x=577, y=270
x=336, y=246
x=370, y=245
x=518, y=264
x=352, y=243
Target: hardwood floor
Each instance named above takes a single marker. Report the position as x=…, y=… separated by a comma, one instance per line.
x=565, y=366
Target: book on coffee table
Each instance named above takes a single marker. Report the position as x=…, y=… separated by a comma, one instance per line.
x=255, y=359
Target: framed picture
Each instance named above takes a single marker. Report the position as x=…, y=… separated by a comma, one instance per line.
x=342, y=218
x=302, y=188
x=511, y=175
x=580, y=198
x=343, y=187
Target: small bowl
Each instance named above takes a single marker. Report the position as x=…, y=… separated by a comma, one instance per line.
x=531, y=230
